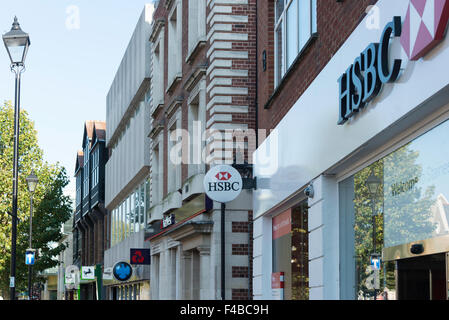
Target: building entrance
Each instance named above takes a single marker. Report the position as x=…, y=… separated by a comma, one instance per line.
x=422, y=278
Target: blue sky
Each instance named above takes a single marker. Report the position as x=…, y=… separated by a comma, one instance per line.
x=76, y=49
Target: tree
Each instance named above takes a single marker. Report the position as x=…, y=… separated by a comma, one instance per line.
x=51, y=207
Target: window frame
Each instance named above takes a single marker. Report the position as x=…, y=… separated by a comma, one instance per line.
x=280, y=23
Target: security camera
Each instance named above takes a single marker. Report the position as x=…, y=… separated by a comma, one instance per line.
x=309, y=191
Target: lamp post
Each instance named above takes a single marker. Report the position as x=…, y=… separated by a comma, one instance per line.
x=32, y=181
x=17, y=43
x=373, y=183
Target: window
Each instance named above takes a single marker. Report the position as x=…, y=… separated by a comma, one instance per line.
x=79, y=181
x=197, y=24
x=95, y=167
x=197, y=125
x=291, y=251
x=174, y=154
x=295, y=24
x=175, y=43
x=157, y=81
x=157, y=170
x=86, y=169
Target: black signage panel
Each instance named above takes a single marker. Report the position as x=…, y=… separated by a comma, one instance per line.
x=140, y=256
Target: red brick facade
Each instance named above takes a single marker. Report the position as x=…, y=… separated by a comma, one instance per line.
x=335, y=22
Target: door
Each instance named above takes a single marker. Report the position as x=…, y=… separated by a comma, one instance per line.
x=422, y=278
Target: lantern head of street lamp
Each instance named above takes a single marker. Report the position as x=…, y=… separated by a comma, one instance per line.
x=17, y=43
x=32, y=181
x=373, y=183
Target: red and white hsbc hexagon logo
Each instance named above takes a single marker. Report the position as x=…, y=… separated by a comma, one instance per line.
x=223, y=183
x=424, y=26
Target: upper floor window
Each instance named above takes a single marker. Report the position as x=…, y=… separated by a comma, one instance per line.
x=295, y=23
x=197, y=24
x=95, y=167
x=157, y=81
x=175, y=43
x=79, y=182
x=86, y=170
x=174, y=151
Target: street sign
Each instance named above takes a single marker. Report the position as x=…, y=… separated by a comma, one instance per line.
x=122, y=271
x=223, y=183
x=375, y=261
x=30, y=255
x=168, y=221
x=88, y=273
x=140, y=256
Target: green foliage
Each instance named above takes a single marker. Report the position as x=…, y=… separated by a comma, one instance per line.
x=51, y=207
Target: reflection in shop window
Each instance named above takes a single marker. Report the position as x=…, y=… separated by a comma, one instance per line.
x=290, y=251
x=411, y=206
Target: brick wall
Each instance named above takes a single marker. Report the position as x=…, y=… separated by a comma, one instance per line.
x=335, y=20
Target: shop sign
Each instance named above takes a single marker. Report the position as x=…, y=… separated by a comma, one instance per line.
x=363, y=80
x=72, y=277
x=277, y=285
x=107, y=274
x=88, y=273
x=167, y=221
x=424, y=27
x=122, y=271
x=140, y=256
x=223, y=183
x=282, y=224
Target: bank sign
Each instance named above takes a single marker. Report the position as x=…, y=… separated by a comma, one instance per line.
x=424, y=27
x=223, y=183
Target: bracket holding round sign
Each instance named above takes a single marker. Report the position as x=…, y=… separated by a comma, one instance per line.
x=223, y=183
x=122, y=271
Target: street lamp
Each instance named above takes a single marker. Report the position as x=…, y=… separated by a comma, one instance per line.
x=32, y=181
x=17, y=43
x=373, y=183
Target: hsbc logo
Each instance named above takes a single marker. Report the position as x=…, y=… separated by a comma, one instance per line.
x=424, y=26
x=223, y=176
x=223, y=183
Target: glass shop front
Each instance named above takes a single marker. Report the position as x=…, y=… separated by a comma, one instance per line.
x=394, y=223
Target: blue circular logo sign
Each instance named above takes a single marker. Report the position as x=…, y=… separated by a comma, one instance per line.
x=122, y=271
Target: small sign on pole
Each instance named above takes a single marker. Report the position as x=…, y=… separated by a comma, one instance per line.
x=375, y=261
x=30, y=256
x=223, y=183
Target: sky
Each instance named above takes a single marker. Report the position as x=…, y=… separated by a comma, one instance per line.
x=76, y=49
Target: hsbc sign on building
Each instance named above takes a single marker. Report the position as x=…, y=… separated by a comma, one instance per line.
x=424, y=26
x=223, y=183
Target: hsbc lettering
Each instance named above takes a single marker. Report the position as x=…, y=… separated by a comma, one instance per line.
x=223, y=183
x=223, y=186
x=363, y=80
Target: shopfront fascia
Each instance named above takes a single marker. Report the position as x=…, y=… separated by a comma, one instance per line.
x=309, y=147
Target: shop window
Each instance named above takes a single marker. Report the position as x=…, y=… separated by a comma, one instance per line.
x=411, y=205
x=291, y=251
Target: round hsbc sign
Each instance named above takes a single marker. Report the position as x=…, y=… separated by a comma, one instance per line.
x=223, y=183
